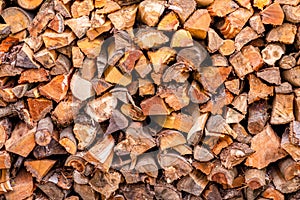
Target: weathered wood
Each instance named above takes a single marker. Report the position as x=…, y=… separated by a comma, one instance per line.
x=283, y=185
x=289, y=168
x=44, y=132
x=222, y=8
x=79, y=25
x=271, y=192
x=241, y=64
x=222, y=175
x=25, y=58
x=169, y=22
x=57, y=23
x=55, y=40
x=46, y=58
x=124, y=18
x=38, y=108
x=81, y=8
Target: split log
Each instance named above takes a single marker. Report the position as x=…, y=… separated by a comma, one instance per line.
x=39, y=168
x=254, y=56
x=57, y=23
x=56, y=89
x=107, y=7
x=285, y=34
x=258, y=117
x=62, y=7
x=150, y=11
x=53, y=148
x=11, y=14
x=46, y=58
x=81, y=88
x=82, y=8
x=79, y=26
x=144, y=41
x=273, y=14
x=38, y=108
x=51, y=190
x=258, y=90
x=23, y=187
x=270, y=152
x=291, y=76
x=198, y=24
x=246, y=35
x=272, y=193
x=25, y=58
x=222, y=8
x=290, y=148
x=291, y=13
x=5, y=130
x=169, y=22
x=119, y=20
x=105, y=183
x=287, y=62
x=227, y=48
x=194, y=183
x=174, y=165
x=183, y=10
x=91, y=48
x=86, y=192
x=33, y=76
x=241, y=64
x=55, y=40
x=165, y=191
x=77, y=57
x=256, y=24
x=234, y=154
x=282, y=111
x=40, y=21
x=65, y=112
x=202, y=154
x=21, y=141
x=271, y=75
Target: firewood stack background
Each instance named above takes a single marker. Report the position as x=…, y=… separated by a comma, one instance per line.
x=131, y=99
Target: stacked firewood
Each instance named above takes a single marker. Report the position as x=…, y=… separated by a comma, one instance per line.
x=153, y=99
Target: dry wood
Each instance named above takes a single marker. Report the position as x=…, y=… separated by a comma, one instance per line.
x=124, y=18
x=183, y=9
x=57, y=23
x=22, y=188
x=46, y=58
x=25, y=58
x=289, y=168
x=222, y=8
x=273, y=14
x=284, y=34
x=270, y=152
x=282, y=111
x=255, y=178
x=169, y=22
x=287, y=62
x=91, y=48
x=272, y=193
x=55, y=40
x=44, y=132
x=11, y=14
x=241, y=64
x=284, y=186
x=198, y=23
x=79, y=25
x=21, y=141
x=150, y=11
x=81, y=8
x=56, y=89
x=258, y=90
x=222, y=175
x=39, y=168
x=108, y=7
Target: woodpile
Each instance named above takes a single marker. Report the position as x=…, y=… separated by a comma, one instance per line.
x=150, y=99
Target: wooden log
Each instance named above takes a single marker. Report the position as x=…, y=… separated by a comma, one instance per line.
x=108, y=7
x=25, y=58
x=287, y=62
x=79, y=25
x=198, y=24
x=256, y=24
x=93, y=33
x=271, y=151
x=227, y=48
x=53, y=148
x=272, y=193
x=291, y=13
x=217, y=124
x=46, y=58
x=38, y=108
x=174, y=165
x=164, y=191
x=284, y=34
x=56, y=89
x=170, y=138
x=150, y=11
x=5, y=130
x=57, y=23
x=22, y=188
x=294, y=133
x=51, y=190
x=33, y=76
x=222, y=175
x=222, y=8
x=258, y=90
x=231, y=26
x=119, y=20
x=127, y=63
x=41, y=20
x=272, y=53
x=183, y=10
x=86, y=192
x=29, y=5
x=107, y=101
x=11, y=14
x=283, y=185
x=154, y=106
x=44, y=131
x=258, y=117
x=246, y=35
x=234, y=154
x=91, y=48
x=273, y=14
x=21, y=141
x=105, y=183
x=77, y=57
x=241, y=64
x=81, y=88
x=81, y=8
x=55, y=40
x=282, y=111
x=65, y=112
x=289, y=168
x=291, y=76
x=194, y=183
x=260, y=4
x=255, y=178
x=63, y=8
x=169, y=22
x=202, y=154
x=39, y=168
x=292, y=149
x=144, y=41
